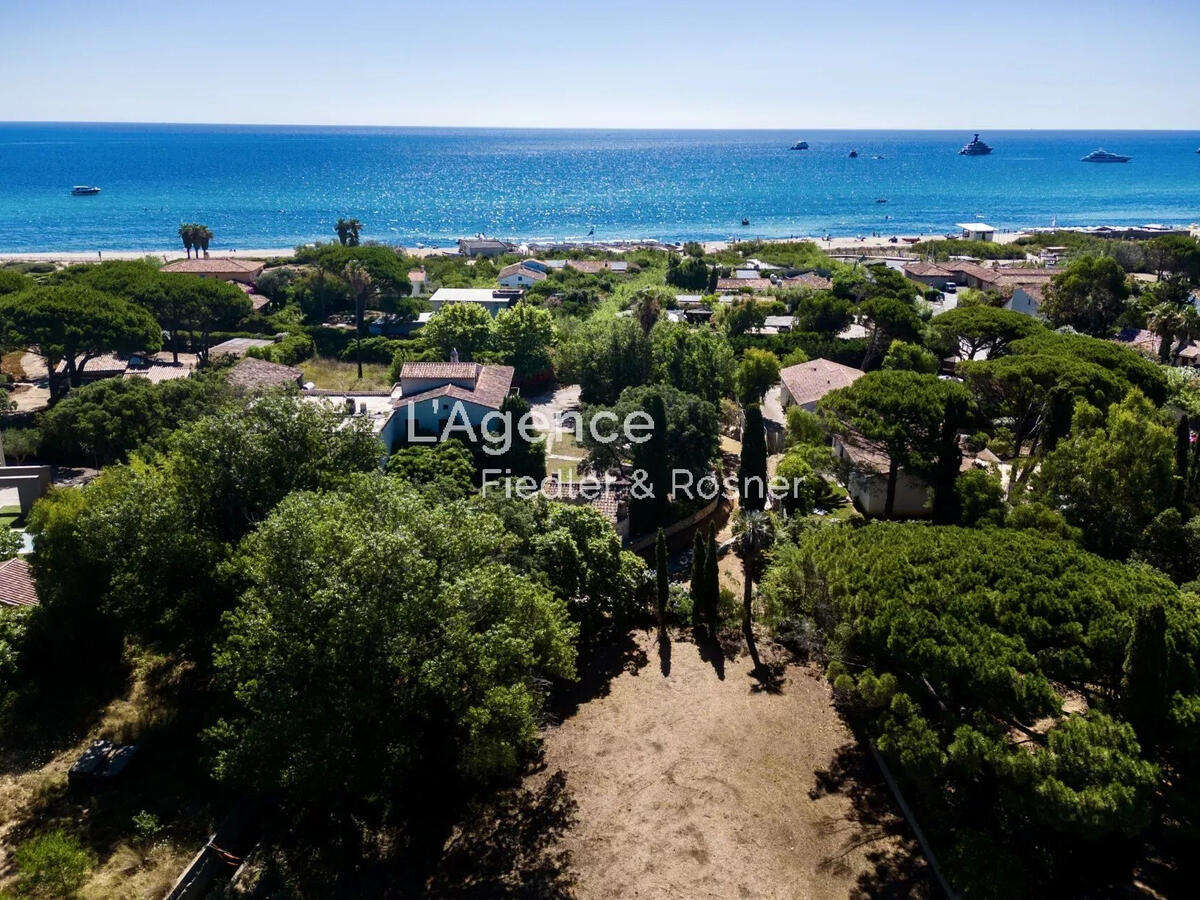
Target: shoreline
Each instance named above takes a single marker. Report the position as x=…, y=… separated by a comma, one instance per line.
x=833, y=244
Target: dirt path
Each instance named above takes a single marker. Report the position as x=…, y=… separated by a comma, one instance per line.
x=691, y=786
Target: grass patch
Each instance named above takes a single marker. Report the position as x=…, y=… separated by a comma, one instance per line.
x=335, y=375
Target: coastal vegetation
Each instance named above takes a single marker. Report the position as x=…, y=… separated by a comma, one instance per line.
x=367, y=649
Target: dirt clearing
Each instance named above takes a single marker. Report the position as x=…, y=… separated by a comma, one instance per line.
x=690, y=785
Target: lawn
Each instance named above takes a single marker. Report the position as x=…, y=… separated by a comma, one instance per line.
x=335, y=375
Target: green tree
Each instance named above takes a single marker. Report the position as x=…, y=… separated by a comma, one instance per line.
x=524, y=337
x=605, y=356
x=910, y=358
x=752, y=468
x=1089, y=295
x=187, y=234
x=378, y=714
x=910, y=417
x=712, y=581
x=662, y=584
x=967, y=331
x=1144, y=697
x=699, y=564
x=347, y=231
x=754, y=533
x=652, y=467
x=691, y=273
x=697, y=360
x=1112, y=476
x=756, y=373
x=13, y=282
x=445, y=469
x=362, y=286
x=463, y=327
x=742, y=316
x=71, y=325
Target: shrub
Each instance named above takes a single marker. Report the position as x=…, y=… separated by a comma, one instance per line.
x=53, y=865
x=21, y=443
x=293, y=349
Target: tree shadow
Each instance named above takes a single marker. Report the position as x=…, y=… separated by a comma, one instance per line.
x=710, y=649
x=598, y=663
x=509, y=847
x=897, y=868
x=664, y=652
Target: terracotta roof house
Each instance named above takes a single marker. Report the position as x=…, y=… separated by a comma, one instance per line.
x=225, y=268
x=417, y=278
x=735, y=285
x=16, y=583
x=432, y=397
x=928, y=273
x=252, y=374
x=806, y=383
x=236, y=347
x=519, y=275
x=868, y=480
x=809, y=280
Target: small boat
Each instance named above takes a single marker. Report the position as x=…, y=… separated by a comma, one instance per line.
x=799, y=145
x=878, y=156
x=745, y=221
x=854, y=154
x=1103, y=156
x=975, y=147
x=881, y=199
x=83, y=190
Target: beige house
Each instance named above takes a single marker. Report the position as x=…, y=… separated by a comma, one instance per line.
x=224, y=268
x=805, y=384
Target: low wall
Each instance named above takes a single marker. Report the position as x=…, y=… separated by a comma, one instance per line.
x=699, y=516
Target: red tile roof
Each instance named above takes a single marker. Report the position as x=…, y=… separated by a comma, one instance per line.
x=810, y=381
x=451, y=371
x=736, y=284
x=491, y=387
x=214, y=266
x=809, y=280
x=16, y=583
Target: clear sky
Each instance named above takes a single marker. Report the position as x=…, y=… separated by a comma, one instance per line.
x=966, y=64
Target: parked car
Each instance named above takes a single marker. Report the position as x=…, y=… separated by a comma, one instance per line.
x=950, y=288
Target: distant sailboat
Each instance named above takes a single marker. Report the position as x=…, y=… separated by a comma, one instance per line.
x=854, y=154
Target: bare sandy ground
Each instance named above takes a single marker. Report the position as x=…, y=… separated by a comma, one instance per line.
x=693, y=786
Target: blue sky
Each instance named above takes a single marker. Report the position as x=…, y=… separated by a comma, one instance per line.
x=696, y=64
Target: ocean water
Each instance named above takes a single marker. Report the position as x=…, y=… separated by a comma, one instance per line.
x=268, y=187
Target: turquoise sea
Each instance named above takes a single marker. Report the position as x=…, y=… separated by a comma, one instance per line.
x=268, y=187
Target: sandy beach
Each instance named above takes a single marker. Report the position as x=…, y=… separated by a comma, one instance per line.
x=880, y=242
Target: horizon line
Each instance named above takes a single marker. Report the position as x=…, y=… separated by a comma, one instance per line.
x=970, y=129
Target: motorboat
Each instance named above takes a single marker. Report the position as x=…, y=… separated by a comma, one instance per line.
x=975, y=147
x=881, y=199
x=1103, y=156
x=745, y=221
x=799, y=145
x=854, y=154
x=83, y=190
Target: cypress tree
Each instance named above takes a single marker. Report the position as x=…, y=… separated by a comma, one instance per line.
x=699, y=573
x=1183, y=437
x=1144, y=679
x=752, y=471
x=652, y=458
x=712, y=581
x=663, y=583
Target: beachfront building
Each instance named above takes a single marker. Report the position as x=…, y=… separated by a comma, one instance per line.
x=429, y=395
x=485, y=247
x=417, y=278
x=491, y=299
x=804, y=384
x=241, y=271
x=976, y=231
x=520, y=275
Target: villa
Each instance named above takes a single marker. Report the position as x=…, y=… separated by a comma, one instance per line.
x=432, y=394
x=224, y=268
x=491, y=299
x=520, y=275
x=806, y=383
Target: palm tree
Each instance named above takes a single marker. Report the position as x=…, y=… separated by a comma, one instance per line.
x=187, y=234
x=754, y=533
x=1165, y=320
x=361, y=287
x=202, y=237
x=347, y=231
